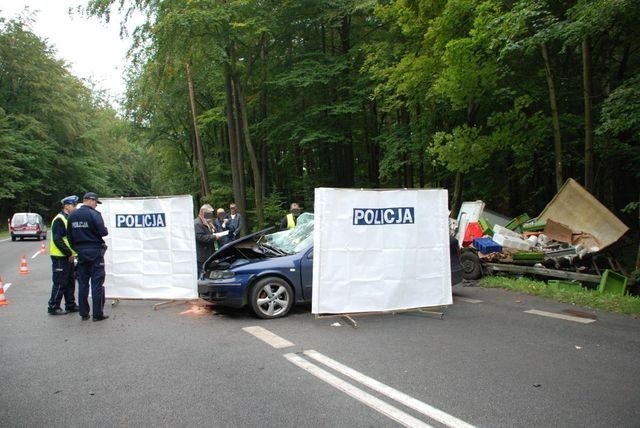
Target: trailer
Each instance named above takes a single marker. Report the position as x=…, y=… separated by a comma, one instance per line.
x=583, y=231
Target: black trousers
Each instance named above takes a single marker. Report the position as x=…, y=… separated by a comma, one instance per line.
x=91, y=273
x=64, y=283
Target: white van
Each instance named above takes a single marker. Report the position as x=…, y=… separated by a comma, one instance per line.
x=27, y=225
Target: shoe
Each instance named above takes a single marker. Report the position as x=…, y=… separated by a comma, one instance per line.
x=56, y=311
x=104, y=317
x=84, y=317
x=75, y=308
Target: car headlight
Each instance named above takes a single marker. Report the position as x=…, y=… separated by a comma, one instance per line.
x=221, y=274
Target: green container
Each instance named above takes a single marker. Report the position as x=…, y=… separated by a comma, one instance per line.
x=534, y=226
x=557, y=284
x=485, y=226
x=517, y=222
x=613, y=283
x=529, y=256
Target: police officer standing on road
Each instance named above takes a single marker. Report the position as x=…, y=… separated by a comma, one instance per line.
x=86, y=230
x=62, y=258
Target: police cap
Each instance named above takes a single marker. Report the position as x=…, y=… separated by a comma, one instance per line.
x=92, y=195
x=70, y=200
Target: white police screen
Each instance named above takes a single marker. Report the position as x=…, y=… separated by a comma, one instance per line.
x=151, y=252
x=380, y=250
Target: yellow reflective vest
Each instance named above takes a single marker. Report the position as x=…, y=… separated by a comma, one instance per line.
x=53, y=248
x=290, y=221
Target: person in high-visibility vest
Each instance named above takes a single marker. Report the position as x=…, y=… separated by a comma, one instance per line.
x=289, y=221
x=62, y=261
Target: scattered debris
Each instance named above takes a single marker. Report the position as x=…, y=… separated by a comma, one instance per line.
x=565, y=241
x=336, y=324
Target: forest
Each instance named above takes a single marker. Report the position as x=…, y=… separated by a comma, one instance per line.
x=261, y=101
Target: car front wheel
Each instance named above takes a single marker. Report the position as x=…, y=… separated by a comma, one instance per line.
x=271, y=297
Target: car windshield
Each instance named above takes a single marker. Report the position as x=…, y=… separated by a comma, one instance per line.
x=294, y=240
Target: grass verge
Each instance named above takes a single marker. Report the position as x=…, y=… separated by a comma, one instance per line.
x=587, y=298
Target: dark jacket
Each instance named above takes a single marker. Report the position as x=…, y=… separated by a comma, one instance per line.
x=85, y=229
x=220, y=228
x=236, y=222
x=204, y=241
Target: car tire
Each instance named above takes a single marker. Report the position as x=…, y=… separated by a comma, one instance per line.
x=271, y=297
x=471, y=267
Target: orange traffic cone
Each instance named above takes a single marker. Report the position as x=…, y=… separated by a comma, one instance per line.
x=3, y=300
x=42, y=249
x=24, y=270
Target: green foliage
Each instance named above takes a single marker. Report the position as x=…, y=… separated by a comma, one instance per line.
x=56, y=138
x=342, y=93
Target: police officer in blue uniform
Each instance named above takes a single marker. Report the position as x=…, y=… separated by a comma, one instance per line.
x=62, y=258
x=86, y=230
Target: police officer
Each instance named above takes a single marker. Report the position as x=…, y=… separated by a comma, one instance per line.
x=86, y=230
x=62, y=257
x=289, y=221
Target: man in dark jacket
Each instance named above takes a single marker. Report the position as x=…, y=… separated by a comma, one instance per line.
x=236, y=220
x=205, y=238
x=62, y=258
x=86, y=229
x=223, y=224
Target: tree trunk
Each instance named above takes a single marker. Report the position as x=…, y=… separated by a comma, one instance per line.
x=456, y=203
x=555, y=119
x=588, y=119
x=257, y=177
x=233, y=140
x=199, y=152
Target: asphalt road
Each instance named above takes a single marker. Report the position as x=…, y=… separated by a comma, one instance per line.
x=486, y=363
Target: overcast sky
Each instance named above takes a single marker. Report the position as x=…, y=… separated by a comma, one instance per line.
x=93, y=49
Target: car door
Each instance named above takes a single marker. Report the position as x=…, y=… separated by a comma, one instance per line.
x=306, y=274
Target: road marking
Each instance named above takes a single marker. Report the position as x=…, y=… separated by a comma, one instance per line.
x=268, y=337
x=559, y=316
x=467, y=300
x=401, y=397
x=6, y=286
x=355, y=392
x=35, y=255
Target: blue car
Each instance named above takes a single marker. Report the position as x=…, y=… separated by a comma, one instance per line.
x=271, y=272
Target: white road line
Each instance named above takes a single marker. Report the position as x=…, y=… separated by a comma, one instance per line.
x=360, y=395
x=467, y=300
x=268, y=337
x=402, y=398
x=6, y=286
x=560, y=316
x=35, y=255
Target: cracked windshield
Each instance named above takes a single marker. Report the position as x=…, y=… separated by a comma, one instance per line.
x=296, y=239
